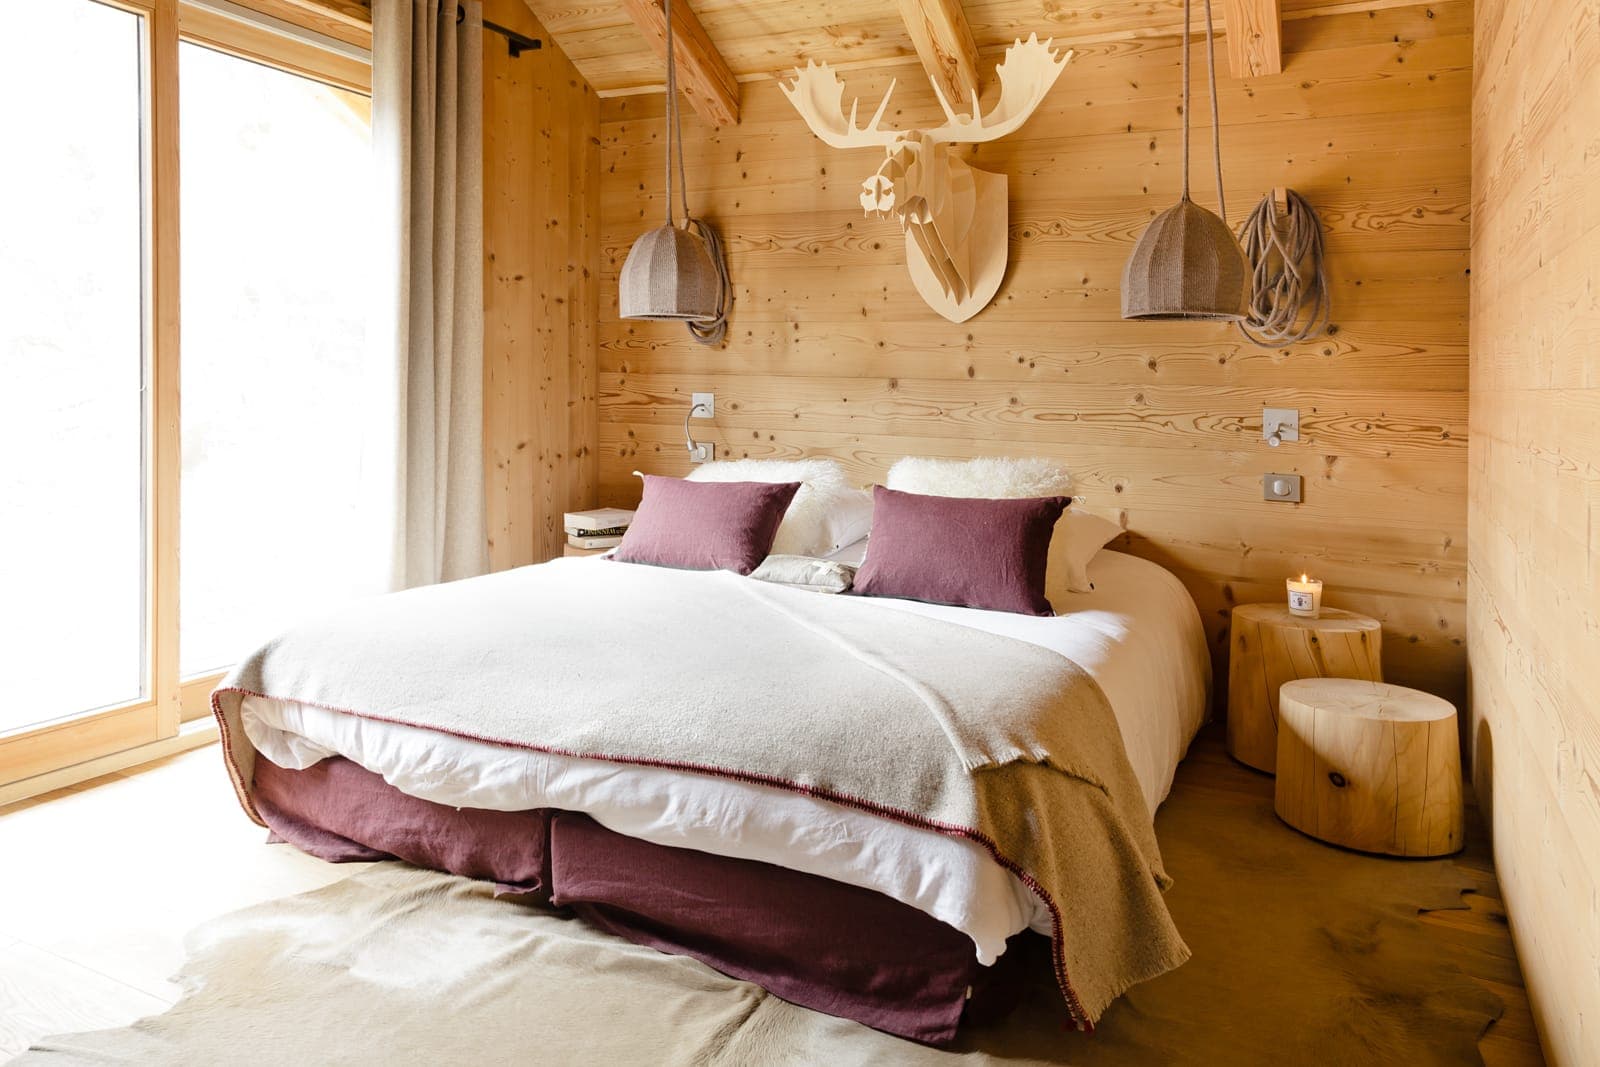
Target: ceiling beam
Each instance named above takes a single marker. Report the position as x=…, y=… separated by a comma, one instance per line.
x=703, y=75
x=1255, y=37
x=943, y=40
x=343, y=20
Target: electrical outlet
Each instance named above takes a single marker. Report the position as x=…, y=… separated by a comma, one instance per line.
x=702, y=452
x=1279, y=425
x=1282, y=487
x=705, y=401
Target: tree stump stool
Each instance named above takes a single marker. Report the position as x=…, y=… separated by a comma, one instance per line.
x=1268, y=646
x=1369, y=766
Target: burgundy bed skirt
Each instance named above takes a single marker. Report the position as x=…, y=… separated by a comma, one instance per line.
x=828, y=946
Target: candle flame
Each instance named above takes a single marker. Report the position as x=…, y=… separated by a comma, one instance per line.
x=1303, y=578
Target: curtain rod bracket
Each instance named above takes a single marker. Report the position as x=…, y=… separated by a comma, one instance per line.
x=516, y=43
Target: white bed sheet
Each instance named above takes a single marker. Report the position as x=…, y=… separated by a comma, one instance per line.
x=1138, y=634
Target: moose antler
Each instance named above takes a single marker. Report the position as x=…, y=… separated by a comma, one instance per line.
x=953, y=215
x=1026, y=73
x=817, y=93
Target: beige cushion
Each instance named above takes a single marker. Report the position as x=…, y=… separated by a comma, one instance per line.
x=806, y=572
x=1080, y=535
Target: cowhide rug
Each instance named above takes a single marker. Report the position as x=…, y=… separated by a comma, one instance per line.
x=1302, y=954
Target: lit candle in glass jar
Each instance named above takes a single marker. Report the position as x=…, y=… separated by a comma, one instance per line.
x=1305, y=596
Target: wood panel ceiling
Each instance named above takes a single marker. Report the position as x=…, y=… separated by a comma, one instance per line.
x=762, y=39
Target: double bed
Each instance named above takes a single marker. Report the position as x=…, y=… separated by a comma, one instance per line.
x=836, y=900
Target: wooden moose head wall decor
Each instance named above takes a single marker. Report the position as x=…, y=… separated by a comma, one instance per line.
x=953, y=215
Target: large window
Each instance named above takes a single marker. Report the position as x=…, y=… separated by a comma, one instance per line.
x=106, y=482
x=72, y=438
x=276, y=257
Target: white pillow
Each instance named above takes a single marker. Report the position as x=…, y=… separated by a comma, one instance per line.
x=827, y=513
x=854, y=555
x=1078, y=534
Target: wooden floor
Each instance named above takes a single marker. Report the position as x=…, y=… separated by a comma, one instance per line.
x=99, y=883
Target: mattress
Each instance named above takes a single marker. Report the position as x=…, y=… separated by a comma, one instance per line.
x=1138, y=634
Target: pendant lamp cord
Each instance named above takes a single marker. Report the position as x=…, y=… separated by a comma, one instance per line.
x=1186, y=28
x=1216, y=125
x=1216, y=121
x=674, y=128
x=706, y=331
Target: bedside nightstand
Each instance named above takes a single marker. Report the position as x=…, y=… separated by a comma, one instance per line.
x=1268, y=646
x=568, y=550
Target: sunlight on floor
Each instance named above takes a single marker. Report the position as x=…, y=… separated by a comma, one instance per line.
x=90, y=933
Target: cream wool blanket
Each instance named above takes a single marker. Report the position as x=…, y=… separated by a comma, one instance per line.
x=916, y=719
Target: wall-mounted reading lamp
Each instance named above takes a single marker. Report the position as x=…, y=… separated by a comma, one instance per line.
x=699, y=451
x=516, y=43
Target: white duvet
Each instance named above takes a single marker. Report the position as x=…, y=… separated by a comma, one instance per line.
x=1138, y=634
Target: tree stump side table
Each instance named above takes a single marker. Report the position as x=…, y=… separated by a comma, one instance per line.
x=1268, y=646
x=1369, y=766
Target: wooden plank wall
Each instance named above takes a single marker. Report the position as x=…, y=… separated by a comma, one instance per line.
x=831, y=351
x=1534, y=494
x=541, y=298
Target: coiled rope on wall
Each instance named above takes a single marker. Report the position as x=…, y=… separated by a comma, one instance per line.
x=1289, y=300
x=711, y=331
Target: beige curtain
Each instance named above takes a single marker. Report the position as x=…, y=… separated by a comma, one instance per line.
x=427, y=134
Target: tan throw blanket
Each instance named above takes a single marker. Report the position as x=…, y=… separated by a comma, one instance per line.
x=915, y=719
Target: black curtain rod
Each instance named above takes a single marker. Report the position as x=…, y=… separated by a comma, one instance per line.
x=516, y=43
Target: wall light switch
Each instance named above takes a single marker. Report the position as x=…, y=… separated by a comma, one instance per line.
x=1279, y=425
x=708, y=401
x=1284, y=487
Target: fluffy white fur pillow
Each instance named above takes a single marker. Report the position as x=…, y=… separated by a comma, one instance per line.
x=995, y=478
x=986, y=476
x=827, y=513
x=1078, y=535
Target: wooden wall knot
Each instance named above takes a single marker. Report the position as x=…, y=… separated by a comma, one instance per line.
x=1339, y=781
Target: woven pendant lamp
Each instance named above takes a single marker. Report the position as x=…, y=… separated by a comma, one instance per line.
x=669, y=273
x=1187, y=264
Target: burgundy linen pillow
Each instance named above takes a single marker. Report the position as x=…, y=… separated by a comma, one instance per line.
x=705, y=526
x=967, y=551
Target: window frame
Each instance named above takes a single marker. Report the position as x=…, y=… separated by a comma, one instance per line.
x=251, y=35
x=288, y=35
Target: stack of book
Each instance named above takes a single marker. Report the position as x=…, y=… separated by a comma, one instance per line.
x=600, y=528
